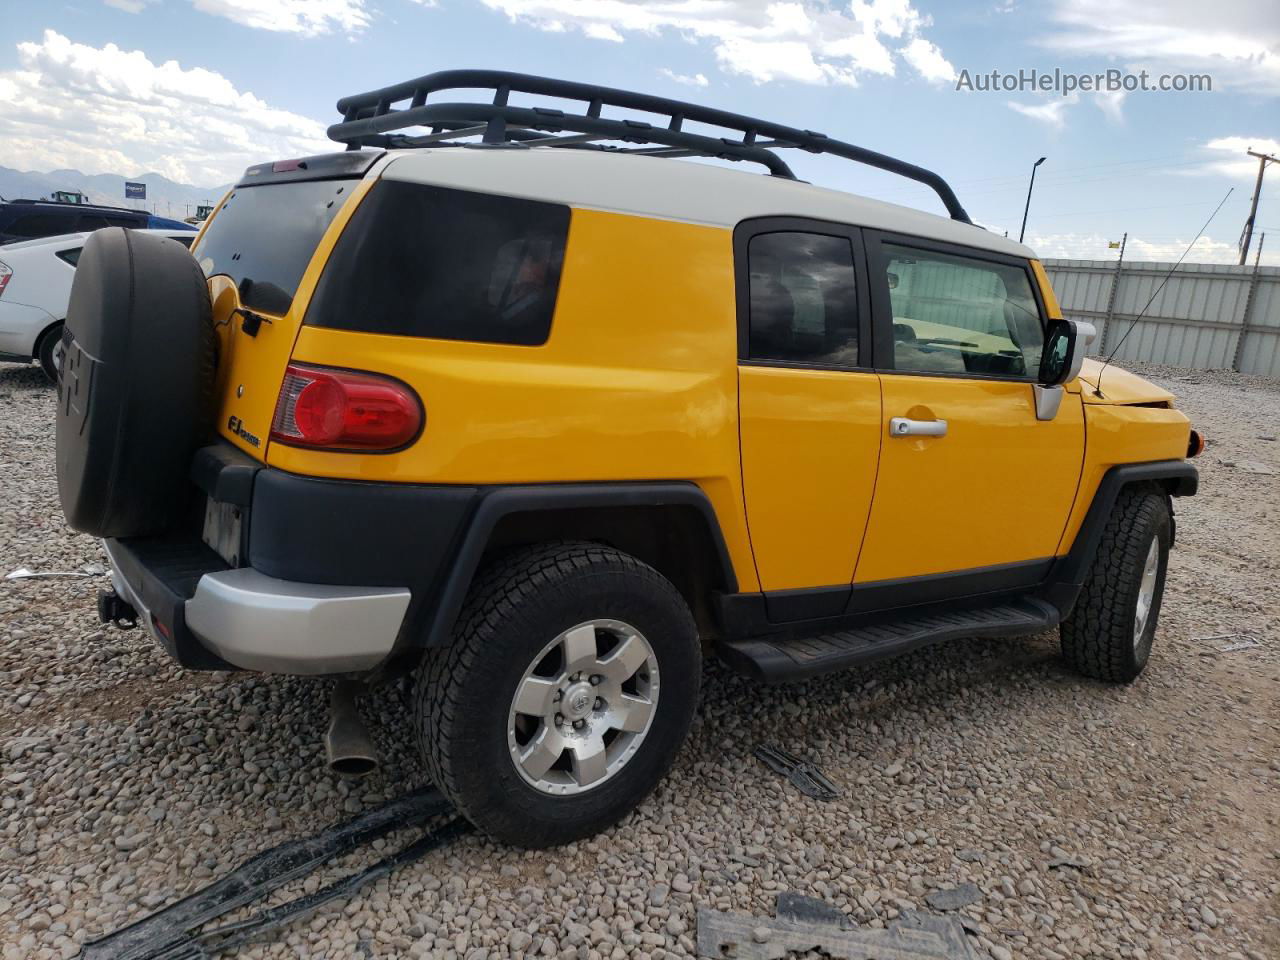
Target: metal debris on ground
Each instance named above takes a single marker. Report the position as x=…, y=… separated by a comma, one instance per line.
x=26, y=573
x=1238, y=641
x=804, y=776
x=803, y=924
x=173, y=932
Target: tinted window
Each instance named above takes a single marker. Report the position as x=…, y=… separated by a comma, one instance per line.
x=961, y=315
x=185, y=241
x=40, y=225
x=71, y=256
x=803, y=298
x=263, y=238
x=423, y=261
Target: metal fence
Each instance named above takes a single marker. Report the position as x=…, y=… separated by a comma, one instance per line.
x=1207, y=316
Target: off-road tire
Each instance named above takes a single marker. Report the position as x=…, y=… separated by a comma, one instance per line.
x=46, y=351
x=464, y=691
x=1098, y=637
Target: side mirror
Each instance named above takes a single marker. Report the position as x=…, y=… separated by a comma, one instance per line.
x=1064, y=349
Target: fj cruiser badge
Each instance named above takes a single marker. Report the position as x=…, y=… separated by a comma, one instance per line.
x=236, y=426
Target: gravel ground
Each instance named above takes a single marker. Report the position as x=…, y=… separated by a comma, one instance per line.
x=126, y=782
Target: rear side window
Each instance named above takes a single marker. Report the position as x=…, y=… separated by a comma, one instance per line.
x=804, y=306
x=264, y=236
x=70, y=256
x=422, y=261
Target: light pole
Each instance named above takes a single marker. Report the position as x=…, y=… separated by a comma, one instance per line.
x=1031, y=186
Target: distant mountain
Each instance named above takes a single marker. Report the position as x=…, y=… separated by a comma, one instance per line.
x=164, y=197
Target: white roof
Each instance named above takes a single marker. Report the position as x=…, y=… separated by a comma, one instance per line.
x=667, y=189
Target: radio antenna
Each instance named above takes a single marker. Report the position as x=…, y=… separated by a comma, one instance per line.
x=1134, y=322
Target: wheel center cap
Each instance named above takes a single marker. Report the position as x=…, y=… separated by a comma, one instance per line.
x=578, y=701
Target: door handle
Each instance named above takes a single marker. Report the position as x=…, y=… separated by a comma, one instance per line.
x=906, y=427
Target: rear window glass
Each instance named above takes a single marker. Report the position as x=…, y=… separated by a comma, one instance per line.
x=264, y=236
x=422, y=261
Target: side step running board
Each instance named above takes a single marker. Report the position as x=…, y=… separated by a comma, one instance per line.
x=775, y=659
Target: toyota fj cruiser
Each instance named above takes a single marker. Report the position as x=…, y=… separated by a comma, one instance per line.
x=543, y=419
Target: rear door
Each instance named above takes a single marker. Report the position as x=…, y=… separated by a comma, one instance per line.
x=809, y=409
x=973, y=490
x=257, y=251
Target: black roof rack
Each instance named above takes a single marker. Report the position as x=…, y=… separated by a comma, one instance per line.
x=372, y=119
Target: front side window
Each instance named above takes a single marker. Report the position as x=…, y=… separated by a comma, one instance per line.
x=424, y=261
x=803, y=299
x=961, y=315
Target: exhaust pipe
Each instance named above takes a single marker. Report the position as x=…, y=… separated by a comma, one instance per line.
x=346, y=743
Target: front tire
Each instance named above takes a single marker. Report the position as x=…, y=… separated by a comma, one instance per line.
x=1110, y=632
x=570, y=684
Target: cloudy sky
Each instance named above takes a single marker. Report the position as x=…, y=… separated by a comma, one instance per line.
x=199, y=89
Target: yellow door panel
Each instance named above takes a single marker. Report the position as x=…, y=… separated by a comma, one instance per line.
x=995, y=489
x=810, y=442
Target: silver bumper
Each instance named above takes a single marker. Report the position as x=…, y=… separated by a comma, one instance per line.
x=257, y=622
x=281, y=626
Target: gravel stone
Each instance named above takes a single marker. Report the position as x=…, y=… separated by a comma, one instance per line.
x=127, y=782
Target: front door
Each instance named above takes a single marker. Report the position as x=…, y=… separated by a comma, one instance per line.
x=973, y=490
x=809, y=410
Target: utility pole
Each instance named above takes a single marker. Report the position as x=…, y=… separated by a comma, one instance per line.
x=1263, y=160
x=1111, y=297
x=1248, y=306
x=1031, y=186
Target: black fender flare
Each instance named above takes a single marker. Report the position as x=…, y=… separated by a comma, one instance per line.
x=436, y=623
x=1179, y=478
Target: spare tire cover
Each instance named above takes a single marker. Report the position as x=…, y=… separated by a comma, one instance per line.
x=136, y=390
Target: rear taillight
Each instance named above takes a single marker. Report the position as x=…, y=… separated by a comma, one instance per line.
x=5, y=274
x=342, y=410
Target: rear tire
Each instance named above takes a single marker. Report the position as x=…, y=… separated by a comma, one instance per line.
x=1109, y=633
x=49, y=352
x=507, y=762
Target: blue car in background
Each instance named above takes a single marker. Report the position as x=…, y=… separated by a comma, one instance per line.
x=33, y=219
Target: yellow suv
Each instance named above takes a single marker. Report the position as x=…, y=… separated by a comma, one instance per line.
x=506, y=399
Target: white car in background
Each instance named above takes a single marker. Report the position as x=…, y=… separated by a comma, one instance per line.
x=35, y=287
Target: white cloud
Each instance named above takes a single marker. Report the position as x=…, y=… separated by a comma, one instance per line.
x=1237, y=42
x=806, y=41
x=1093, y=246
x=1230, y=156
x=108, y=110
x=307, y=17
x=694, y=80
x=1051, y=112
x=929, y=61
x=1111, y=103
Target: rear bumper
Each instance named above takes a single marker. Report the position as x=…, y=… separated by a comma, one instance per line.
x=330, y=574
x=210, y=617
x=282, y=626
